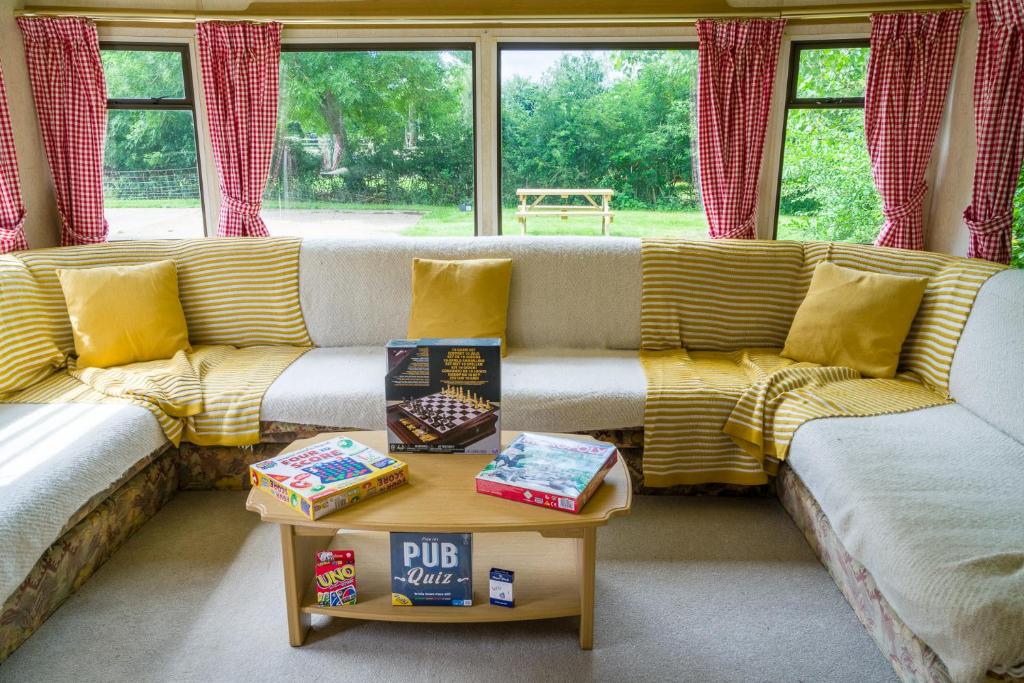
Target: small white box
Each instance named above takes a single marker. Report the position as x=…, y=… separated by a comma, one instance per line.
x=501, y=587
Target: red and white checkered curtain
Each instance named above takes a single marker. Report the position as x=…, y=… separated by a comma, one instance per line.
x=12, y=208
x=240, y=69
x=908, y=76
x=999, y=127
x=736, y=62
x=64, y=68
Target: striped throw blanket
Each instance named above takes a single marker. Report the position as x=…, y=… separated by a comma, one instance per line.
x=722, y=404
x=241, y=303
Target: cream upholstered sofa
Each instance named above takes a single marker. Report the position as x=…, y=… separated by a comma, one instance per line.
x=897, y=506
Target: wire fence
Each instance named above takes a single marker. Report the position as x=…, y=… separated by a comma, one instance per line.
x=160, y=183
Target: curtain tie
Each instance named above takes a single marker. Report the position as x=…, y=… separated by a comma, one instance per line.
x=743, y=231
x=999, y=223
x=242, y=208
x=907, y=208
x=18, y=226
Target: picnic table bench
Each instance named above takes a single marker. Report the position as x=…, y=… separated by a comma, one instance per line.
x=531, y=204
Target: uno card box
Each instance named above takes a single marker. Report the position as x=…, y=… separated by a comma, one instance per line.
x=431, y=569
x=335, y=572
x=444, y=396
x=550, y=471
x=327, y=476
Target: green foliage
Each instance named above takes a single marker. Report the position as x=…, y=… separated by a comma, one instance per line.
x=396, y=128
x=143, y=74
x=375, y=127
x=826, y=176
x=148, y=152
x=578, y=127
x=1017, y=259
x=832, y=72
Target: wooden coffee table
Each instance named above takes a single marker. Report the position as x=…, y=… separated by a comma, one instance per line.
x=552, y=553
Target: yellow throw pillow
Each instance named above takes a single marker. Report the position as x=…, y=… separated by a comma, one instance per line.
x=27, y=352
x=460, y=298
x=124, y=314
x=854, y=319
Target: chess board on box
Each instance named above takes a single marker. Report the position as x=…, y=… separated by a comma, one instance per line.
x=444, y=395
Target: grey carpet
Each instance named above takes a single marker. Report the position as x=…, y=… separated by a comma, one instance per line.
x=689, y=589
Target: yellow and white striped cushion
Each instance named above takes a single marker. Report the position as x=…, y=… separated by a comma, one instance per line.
x=27, y=351
x=242, y=292
x=725, y=415
x=718, y=296
x=952, y=287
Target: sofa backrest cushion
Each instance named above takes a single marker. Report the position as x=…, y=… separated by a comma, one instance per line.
x=237, y=292
x=987, y=376
x=953, y=283
x=566, y=292
x=27, y=351
x=720, y=296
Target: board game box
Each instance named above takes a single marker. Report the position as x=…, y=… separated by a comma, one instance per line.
x=431, y=569
x=327, y=476
x=550, y=471
x=335, y=572
x=444, y=396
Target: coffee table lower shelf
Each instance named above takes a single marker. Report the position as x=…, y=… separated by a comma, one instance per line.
x=546, y=584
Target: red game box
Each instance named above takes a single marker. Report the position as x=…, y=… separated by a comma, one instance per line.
x=548, y=471
x=335, y=577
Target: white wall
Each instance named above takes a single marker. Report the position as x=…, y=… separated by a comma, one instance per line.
x=952, y=169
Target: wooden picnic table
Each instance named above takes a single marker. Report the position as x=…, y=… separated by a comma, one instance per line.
x=531, y=204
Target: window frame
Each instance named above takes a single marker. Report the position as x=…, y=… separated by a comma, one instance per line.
x=793, y=102
x=426, y=45
x=514, y=45
x=185, y=103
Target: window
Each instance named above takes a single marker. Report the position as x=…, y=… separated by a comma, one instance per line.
x=374, y=141
x=825, y=186
x=618, y=117
x=150, y=170
x=1017, y=251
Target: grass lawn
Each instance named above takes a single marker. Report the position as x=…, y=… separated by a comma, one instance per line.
x=440, y=221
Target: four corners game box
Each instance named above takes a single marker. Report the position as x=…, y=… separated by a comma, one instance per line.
x=431, y=569
x=327, y=476
x=444, y=396
x=546, y=470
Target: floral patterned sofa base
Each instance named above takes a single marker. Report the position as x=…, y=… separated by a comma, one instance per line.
x=909, y=656
x=93, y=535
x=89, y=542
x=223, y=467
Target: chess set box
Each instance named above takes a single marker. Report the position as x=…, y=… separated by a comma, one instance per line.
x=431, y=569
x=327, y=476
x=550, y=471
x=444, y=396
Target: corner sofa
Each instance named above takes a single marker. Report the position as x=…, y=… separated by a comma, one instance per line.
x=918, y=516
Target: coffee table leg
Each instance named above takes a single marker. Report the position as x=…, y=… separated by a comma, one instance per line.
x=587, y=550
x=297, y=554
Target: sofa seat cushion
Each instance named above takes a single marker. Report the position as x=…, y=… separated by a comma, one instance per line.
x=542, y=390
x=930, y=502
x=57, y=462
